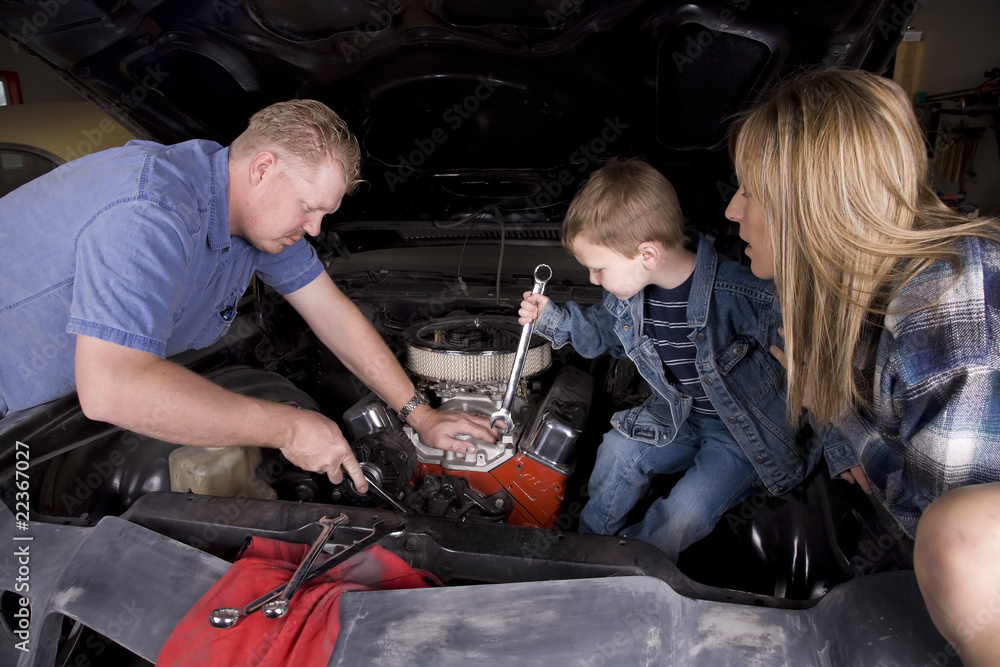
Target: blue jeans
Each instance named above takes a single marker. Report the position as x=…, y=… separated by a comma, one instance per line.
x=718, y=476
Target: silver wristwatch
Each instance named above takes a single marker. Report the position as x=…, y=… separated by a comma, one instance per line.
x=411, y=405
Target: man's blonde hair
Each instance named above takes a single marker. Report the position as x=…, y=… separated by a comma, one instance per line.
x=622, y=204
x=837, y=163
x=305, y=131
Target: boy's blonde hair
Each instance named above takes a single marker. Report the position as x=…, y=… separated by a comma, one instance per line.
x=305, y=131
x=837, y=163
x=624, y=203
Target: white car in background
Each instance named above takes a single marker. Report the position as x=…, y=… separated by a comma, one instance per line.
x=36, y=138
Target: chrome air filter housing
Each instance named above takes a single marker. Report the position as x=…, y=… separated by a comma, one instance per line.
x=471, y=349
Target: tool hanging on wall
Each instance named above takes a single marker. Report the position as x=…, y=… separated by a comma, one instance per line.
x=952, y=145
x=956, y=153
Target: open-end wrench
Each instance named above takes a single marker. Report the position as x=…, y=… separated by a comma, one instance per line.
x=543, y=274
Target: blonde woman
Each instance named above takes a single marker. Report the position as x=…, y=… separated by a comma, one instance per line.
x=891, y=308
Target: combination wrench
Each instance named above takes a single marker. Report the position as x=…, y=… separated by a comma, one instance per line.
x=227, y=617
x=375, y=489
x=278, y=607
x=543, y=274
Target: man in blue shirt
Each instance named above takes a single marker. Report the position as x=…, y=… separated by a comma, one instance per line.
x=119, y=259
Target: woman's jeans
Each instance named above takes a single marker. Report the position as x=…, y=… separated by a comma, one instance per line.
x=718, y=477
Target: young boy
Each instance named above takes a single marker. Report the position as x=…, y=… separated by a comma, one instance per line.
x=699, y=328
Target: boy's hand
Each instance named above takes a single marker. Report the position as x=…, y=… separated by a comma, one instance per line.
x=531, y=307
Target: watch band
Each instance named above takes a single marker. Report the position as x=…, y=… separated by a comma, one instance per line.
x=411, y=405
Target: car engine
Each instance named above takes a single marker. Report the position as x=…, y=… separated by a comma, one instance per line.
x=464, y=364
x=459, y=362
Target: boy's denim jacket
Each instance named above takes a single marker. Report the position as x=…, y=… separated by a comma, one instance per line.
x=734, y=318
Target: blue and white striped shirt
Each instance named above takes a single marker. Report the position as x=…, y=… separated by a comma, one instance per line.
x=667, y=327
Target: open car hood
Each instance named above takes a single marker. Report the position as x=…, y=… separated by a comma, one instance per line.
x=487, y=112
x=494, y=109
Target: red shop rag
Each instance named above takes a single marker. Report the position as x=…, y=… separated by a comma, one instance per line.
x=307, y=633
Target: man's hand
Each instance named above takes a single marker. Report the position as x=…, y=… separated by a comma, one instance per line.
x=531, y=307
x=340, y=326
x=154, y=397
x=315, y=443
x=439, y=428
x=856, y=475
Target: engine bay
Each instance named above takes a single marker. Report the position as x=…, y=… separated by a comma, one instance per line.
x=463, y=363
x=456, y=338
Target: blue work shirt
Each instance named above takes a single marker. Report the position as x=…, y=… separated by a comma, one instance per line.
x=733, y=317
x=130, y=245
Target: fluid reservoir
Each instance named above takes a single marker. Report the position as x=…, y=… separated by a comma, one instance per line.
x=218, y=471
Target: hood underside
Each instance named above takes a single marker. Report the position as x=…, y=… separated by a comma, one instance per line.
x=493, y=109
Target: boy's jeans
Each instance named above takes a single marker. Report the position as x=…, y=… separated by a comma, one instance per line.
x=718, y=477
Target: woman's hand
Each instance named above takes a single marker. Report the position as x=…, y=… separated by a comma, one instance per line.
x=856, y=475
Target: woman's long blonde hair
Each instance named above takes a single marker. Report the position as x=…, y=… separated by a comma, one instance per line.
x=837, y=162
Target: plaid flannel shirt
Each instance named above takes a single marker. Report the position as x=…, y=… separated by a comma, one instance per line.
x=935, y=423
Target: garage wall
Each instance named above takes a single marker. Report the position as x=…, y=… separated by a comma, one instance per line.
x=38, y=83
x=961, y=41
